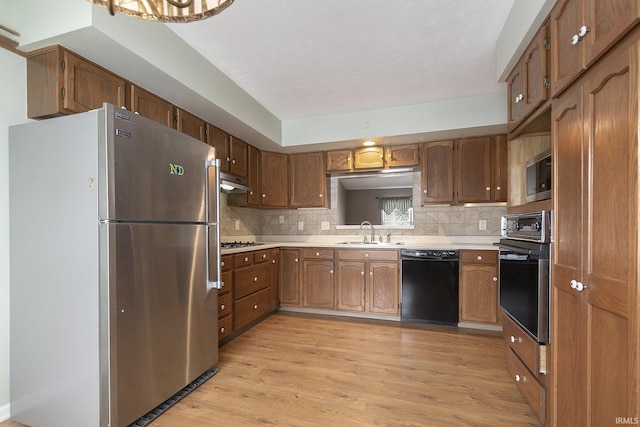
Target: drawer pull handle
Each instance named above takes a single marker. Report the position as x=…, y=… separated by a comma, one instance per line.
x=255, y=307
x=514, y=339
x=222, y=307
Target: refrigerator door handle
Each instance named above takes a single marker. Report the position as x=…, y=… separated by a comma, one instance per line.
x=214, y=220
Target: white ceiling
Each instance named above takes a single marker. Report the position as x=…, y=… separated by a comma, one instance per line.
x=311, y=58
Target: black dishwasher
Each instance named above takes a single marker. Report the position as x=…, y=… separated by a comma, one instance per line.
x=430, y=286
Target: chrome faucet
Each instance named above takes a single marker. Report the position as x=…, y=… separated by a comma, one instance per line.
x=365, y=236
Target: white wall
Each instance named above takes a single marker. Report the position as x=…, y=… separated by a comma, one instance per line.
x=13, y=110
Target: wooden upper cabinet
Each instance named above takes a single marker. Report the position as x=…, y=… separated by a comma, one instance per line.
x=253, y=176
x=59, y=82
x=273, y=179
x=515, y=90
x=339, y=161
x=402, y=155
x=219, y=139
x=369, y=158
x=191, y=125
x=436, y=160
x=582, y=30
x=307, y=183
x=151, y=106
x=238, y=150
x=481, y=165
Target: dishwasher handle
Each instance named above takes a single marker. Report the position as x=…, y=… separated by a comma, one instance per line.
x=430, y=254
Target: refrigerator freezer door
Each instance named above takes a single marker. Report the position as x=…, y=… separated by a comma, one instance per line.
x=162, y=319
x=153, y=173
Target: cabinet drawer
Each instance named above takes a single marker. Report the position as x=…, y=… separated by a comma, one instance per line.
x=249, y=308
x=225, y=327
x=317, y=253
x=224, y=305
x=479, y=257
x=226, y=262
x=240, y=260
x=227, y=282
x=261, y=256
x=368, y=255
x=251, y=279
x=528, y=385
x=521, y=343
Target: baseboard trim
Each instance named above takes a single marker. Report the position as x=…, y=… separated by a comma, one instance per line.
x=483, y=326
x=5, y=412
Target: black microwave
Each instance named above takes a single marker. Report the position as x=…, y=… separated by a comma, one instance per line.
x=538, y=178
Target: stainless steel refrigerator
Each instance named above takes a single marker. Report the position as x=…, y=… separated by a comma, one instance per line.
x=114, y=267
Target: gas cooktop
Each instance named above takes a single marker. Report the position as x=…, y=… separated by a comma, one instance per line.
x=230, y=245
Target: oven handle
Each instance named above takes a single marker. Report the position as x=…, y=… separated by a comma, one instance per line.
x=514, y=248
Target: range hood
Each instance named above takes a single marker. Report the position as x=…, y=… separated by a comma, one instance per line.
x=233, y=184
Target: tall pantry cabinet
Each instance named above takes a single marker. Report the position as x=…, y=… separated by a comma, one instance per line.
x=595, y=333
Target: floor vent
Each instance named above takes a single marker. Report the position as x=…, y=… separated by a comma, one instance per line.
x=159, y=410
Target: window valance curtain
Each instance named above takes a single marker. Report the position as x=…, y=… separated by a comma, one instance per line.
x=389, y=204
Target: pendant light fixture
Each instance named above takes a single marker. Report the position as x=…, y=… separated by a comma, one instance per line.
x=166, y=10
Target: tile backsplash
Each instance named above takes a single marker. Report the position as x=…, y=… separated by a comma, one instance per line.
x=428, y=221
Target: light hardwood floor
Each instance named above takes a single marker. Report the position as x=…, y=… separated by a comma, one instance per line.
x=301, y=370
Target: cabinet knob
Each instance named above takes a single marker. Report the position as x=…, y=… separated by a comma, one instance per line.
x=495, y=279
x=371, y=273
x=498, y=188
x=515, y=339
x=228, y=159
x=255, y=279
x=321, y=195
x=488, y=188
x=222, y=307
x=583, y=31
x=575, y=39
x=296, y=260
x=362, y=273
x=264, y=256
x=331, y=271
x=246, y=259
x=273, y=261
x=424, y=191
x=221, y=285
x=264, y=195
x=317, y=253
x=366, y=255
x=233, y=161
x=578, y=286
x=222, y=330
x=519, y=378
x=255, y=307
x=479, y=257
x=221, y=263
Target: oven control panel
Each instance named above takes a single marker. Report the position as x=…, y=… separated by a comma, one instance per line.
x=532, y=226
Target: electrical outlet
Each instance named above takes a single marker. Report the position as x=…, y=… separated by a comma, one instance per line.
x=300, y=225
x=237, y=224
x=280, y=219
x=482, y=224
x=324, y=225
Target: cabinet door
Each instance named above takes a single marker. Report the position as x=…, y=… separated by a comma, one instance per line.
x=191, y=125
x=275, y=278
x=339, y=161
x=500, y=168
x=567, y=16
x=253, y=176
x=369, y=157
x=219, y=139
x=151, y=106
x=290, y=277
x=568, y=158
x=351, y=285
x=436, y=160
x=318, y=284
x=515, y=90
x=402, y=155
x=307, y=181
x=474, y=170
x=607, y=21
x=87, y=86
x=384, y=287
x=238, y=152
x=534, y=67
x=273, y=179
x=479, y=293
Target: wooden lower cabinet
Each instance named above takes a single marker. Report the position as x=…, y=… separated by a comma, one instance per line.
x=290, y=278
x=275, y=278
x=479, y=286
x=368, y=281
x=225, y=298
x=318, y=284
x=251, y=307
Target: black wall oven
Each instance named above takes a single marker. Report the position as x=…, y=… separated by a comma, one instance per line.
x=524, y=269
